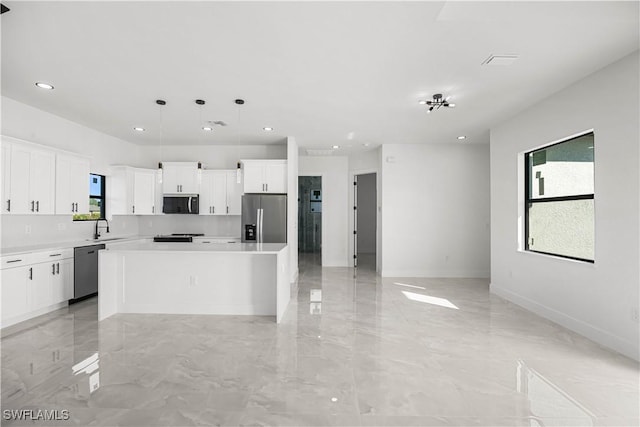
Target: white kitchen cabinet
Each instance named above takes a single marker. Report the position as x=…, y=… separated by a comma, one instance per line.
x=6, y=176
x=234, y=193
x=181, y=177
x=72, y=184
x=219, y=193
x=35, y=283
x=132, y=191
x=14, y=292
x=30, y=187
x=265, y=176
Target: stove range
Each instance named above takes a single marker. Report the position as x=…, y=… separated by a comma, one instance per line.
x=177, y=237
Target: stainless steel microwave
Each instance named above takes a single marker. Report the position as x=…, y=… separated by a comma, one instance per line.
x=180, y=204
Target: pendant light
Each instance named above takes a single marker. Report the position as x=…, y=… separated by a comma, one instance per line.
x=160, y=104
x=238, y=102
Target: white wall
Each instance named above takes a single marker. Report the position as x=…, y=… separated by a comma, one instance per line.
x=30, y=124
x=292, y=207
x=211, y=156
x=335, y=175
x=435, y=210
x=593, y=299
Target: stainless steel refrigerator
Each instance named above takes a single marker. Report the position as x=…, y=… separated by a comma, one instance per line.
x=264, y=218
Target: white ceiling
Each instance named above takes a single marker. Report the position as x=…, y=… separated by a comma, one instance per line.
x=324, y=72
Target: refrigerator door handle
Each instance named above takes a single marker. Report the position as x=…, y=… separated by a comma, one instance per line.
x=189, y=204
x=261, y=225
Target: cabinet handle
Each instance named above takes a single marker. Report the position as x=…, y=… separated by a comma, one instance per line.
x=177, y=188
x=8, y=205
x=153, y=209
x=76, y=207
x=227, y=209
x=133, y=209
x=55, y=254
x=58, y=268
x=14, y=260
x=33, y=204
x=38, y=206
x=214, y=209
x=53, y=268
x=30, y=273
x=73, y=209
x=267, y=185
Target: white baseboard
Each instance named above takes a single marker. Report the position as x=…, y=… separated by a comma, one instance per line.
x=594, y=333
x=436, y=273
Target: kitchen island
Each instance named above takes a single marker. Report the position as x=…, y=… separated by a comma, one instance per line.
x=188, y=278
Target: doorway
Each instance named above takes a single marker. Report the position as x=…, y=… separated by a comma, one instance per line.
x=365, y=221
x=310, y=220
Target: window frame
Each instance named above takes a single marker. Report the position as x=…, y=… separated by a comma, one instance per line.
x=102, y=197
x=528, y=200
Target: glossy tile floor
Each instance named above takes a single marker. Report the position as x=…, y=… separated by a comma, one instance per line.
x=352, y=351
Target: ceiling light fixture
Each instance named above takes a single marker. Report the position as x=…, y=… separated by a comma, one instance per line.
x=437, y=102
x=461, y=137
x=267, y=129
x=42, y=85
x=207, y=128
x=335, y=147
x=138, y=129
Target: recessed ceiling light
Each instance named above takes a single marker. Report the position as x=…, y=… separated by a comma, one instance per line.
x=335, y=147
x=44, y=85
x=138, y=129
x=461, y=137
x=267, y=129
x=207, y=128
x=366, y=144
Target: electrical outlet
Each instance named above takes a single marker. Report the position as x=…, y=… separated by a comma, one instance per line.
x=61, y=226
x=635, y=315
x=27, y=229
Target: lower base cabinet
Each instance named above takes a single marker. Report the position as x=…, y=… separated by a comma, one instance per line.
x=31, y=283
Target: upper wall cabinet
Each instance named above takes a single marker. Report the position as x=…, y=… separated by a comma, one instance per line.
x=220, y=194
x=265, y=176
x=132, y=191
x=28, y=177
x=72, y=184
x=181, y=177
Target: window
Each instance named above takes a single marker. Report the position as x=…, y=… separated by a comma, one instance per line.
x=96, y=199
x=559, y=201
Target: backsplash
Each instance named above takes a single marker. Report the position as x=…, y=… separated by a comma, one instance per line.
x=224, y=226
x=26, y=230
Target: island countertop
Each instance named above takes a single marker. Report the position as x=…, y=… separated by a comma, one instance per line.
x=242, y=248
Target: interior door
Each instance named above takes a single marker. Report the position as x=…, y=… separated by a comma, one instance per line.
x=274, y=219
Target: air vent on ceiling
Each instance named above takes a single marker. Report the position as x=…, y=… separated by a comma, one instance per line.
x=500, y=59
x=317, y=152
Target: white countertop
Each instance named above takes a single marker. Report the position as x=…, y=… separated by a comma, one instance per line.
x=16, y=250
x=246, y=248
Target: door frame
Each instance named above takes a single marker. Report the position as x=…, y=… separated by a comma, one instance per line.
x=322, y=234
x=353, y=201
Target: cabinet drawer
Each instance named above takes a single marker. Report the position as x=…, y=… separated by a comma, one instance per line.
x=52, y=255
x=11, y=261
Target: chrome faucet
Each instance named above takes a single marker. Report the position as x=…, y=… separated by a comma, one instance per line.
x=96, y=234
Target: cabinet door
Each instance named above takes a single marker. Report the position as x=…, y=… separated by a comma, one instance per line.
x=170, y=184
x=80, y=171
x=189, y=179
x=234, y=193
x=206, y=193
x=42, y=181
x=14, y=292
x=39, y=291
x=159, y=197
x=5, y=177
x=219, y=192
x=275, y=177
x=144, y=192
x=62, y=281
x=64, y=185
x=253, y=177
x=19, y=180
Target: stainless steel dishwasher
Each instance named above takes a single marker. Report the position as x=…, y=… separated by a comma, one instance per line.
x=85, y=271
